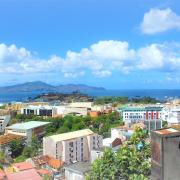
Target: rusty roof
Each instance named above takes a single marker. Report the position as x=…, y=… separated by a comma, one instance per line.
x=45, y=159
x=7, y=138
x=55, y=163
x=44, y=172
x=166, y=131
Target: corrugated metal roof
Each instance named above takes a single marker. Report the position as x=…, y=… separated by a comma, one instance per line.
x=27, y=125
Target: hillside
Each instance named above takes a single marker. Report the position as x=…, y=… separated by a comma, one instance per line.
x=42, y=87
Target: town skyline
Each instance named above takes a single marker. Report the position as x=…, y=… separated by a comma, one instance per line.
x=106, y=43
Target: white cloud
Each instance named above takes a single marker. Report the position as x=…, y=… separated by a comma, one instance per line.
x=151, y=57
x=100, y=59
x=159, y=20
x=13, y=54
x=102, y=73
x=115, y=50
x=164, y=57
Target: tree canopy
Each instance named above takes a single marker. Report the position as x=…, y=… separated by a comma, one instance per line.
x=129, y=162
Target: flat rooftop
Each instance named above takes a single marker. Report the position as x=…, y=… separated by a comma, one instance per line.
x=35, y=107
x=71, y=135
x=27, y=125
x=139, y=108
x=79, y=167
x=167, y=131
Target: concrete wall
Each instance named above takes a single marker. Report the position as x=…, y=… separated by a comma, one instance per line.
x=49, y=147
x=70, y=175
x=81, y=104
x=4, y=120
x=172, y=158
x=165, y=157
x=76, y=110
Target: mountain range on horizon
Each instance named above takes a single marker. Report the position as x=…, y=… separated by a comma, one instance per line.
x=42, y=87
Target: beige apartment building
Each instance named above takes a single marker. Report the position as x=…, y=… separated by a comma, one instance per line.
x=73, y=146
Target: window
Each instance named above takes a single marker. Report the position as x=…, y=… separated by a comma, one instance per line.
x=71, y=144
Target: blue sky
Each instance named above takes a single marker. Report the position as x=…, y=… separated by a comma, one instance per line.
x=110, y=43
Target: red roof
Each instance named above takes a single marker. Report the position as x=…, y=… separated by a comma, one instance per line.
x=2, y=174
x=44, y=172
x=55, y=163
x=22, y=166
x=29, y=174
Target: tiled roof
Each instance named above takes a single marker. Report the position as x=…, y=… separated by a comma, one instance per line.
x=29, y=174
x=44, y=172
x=55, y=163
x=2, y=174
x=22, y=166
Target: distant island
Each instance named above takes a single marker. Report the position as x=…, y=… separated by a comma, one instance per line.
x=42, y=87
x=62, y=97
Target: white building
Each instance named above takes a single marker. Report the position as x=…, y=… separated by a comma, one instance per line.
x=77, y=171
x=72, y=146
x=39, y=110
x=96, y=154
x=138, y=114
x=82, y=104
x=27, y=129
x=4, y=120
x=174, y=116
x=151, y=116
x=5, y=117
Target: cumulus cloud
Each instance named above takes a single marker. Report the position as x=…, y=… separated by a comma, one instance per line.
x=159, y=20
x=164, y=57
x=102, y=73
x=151, y=57
x=100, y=59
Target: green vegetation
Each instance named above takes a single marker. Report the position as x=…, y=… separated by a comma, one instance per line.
x=164, y=124
x=16, y=147
x=109, y=99
x=2, y=157
x=124, y=100
x=130, y=162
x=2, y=107
x=20, y=152
x=20, y=158
x=101, y=124
x=73, y=97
